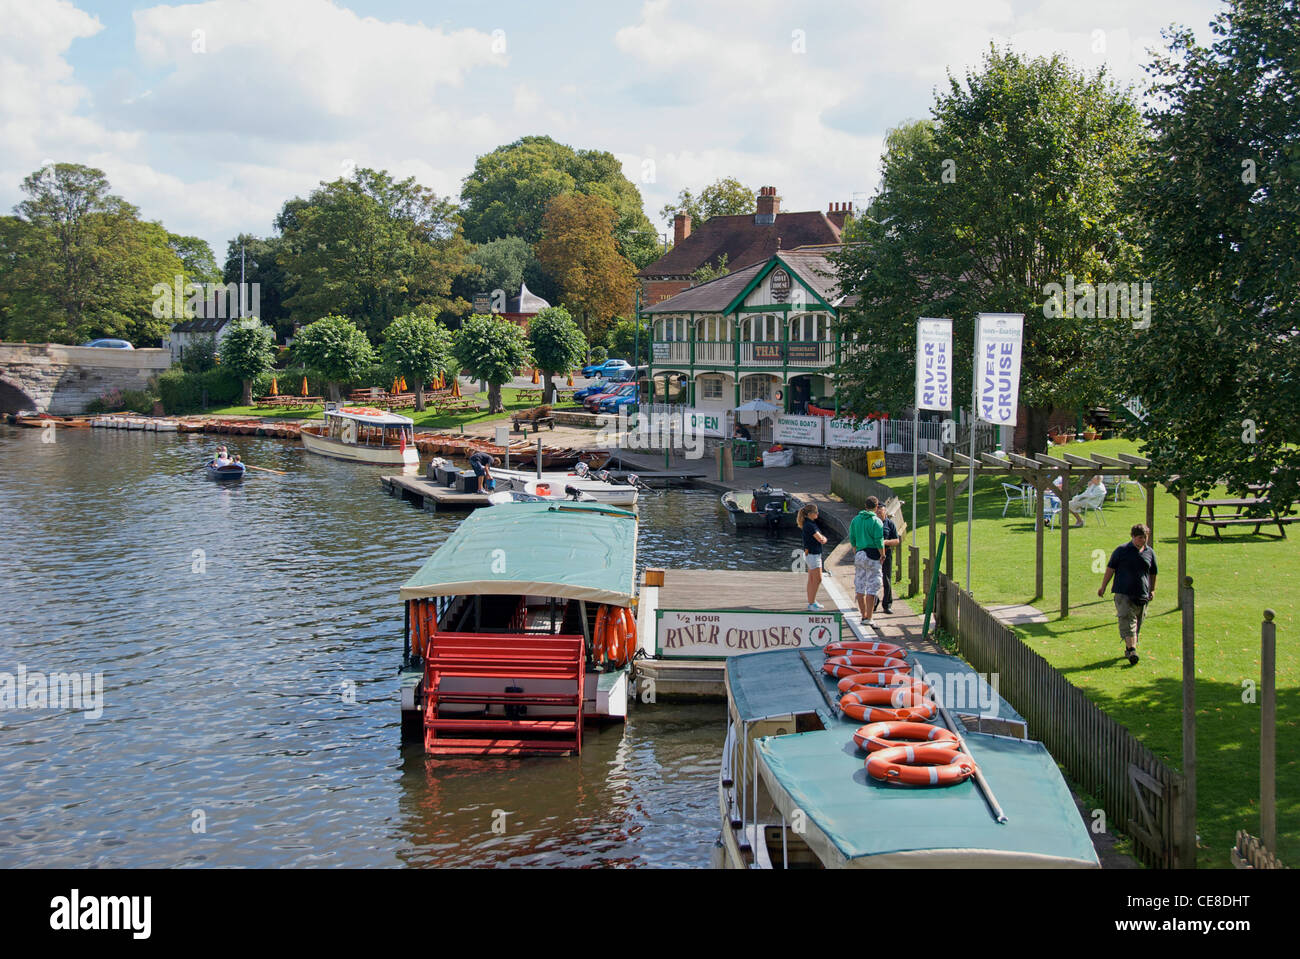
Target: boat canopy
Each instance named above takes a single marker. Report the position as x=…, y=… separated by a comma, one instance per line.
x=370, y=416
x=582, y=551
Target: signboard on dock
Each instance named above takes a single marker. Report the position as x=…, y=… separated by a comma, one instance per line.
x=717, y=634
x=800, y=430
x=853, y=434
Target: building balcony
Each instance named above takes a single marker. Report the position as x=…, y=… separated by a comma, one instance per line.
x=796, y=354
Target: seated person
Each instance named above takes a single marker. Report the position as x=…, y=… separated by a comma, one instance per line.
x=222, y=458
x=1094, y=494
x=742, y=433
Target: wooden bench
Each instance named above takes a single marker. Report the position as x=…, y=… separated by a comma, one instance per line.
x=537, y=423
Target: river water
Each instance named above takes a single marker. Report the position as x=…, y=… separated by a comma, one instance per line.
x=248, y=638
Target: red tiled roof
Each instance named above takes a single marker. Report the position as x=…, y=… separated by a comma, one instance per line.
x=744, y=241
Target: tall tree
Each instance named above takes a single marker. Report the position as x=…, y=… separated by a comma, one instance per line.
x=726, y=196
x=419, y=347
x=372, y=247
x=1218, y=370
x=578, y=248
x=336, y=349
x=197, y=258
x=509, y=189
x=557, y=345
x=263, y=275
x=247, y=351
x=1014, y=185
x=624, y=341
x=492, y=349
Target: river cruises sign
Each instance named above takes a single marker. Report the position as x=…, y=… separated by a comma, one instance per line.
x=997, y=367
x=716, y=634
x=799, y=430
x=933, y=364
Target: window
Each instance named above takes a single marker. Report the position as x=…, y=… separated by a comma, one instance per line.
x=711, y=387
x=755, y=388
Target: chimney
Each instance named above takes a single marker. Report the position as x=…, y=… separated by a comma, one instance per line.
x=681, y=227
x=769, y=205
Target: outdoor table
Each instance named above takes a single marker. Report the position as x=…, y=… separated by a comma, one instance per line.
x=1239, y=506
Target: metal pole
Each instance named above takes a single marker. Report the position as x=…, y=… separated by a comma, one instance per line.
x=241, y=281
x=994, y=806
x=916, y=431
x=1268, y=733
x=970, y=486
x=1188, y=839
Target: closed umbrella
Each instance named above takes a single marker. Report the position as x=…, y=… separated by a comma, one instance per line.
x=304, y=386
x=395, y=388
x=535, y=377
x=275, y=390
x=455, y=388
x=403, y=385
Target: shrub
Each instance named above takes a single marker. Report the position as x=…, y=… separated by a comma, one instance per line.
x=223, y=386
x=96, y=405
x=599, y=354
x=180, y=392
x=138, y=401
x=200, y=356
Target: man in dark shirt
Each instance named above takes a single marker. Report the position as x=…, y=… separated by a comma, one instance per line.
x=482, y=464
x=886, y=563
x=1134, y=567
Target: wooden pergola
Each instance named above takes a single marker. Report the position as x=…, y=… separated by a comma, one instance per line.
x=1040, y=472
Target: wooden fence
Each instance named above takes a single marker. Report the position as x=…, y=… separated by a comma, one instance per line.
x=1251, y=853
x=850, y=483
x=1141, y=796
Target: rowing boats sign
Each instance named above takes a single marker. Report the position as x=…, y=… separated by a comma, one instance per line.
x=719, y=633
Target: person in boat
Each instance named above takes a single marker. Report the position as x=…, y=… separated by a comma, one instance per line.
x=813, y=538
x=222, y=458
x=482, y=464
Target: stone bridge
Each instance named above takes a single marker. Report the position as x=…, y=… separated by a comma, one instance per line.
x=51, y=378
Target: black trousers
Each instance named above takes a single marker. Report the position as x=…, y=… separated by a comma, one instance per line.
x=887, y=598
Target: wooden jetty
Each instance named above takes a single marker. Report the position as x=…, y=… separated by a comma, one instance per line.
x=430, y=497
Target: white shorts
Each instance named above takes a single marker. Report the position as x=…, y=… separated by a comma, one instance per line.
x=867, y=577
x=814, y=560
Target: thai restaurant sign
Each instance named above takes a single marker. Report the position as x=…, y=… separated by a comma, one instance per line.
x=933, y=364
x=799, y=430
x=714, y=634
x=854, y=434
x=997, y=367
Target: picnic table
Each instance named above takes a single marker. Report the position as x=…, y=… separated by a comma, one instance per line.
x=1240, y=507
x=289, y=402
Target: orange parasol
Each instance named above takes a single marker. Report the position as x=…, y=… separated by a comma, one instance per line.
x=275, y=390
x=570, y=381
x=304, y=386
x=455, y=388
x=402, y=386
x=395, y=388
x=535, y=377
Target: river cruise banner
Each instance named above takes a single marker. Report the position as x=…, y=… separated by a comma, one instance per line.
x=853, y=434
x=714, y=634
x=933, y=364
x=997, y=367
x=799, y=430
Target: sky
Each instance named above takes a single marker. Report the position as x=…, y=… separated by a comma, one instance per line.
x=209, y=116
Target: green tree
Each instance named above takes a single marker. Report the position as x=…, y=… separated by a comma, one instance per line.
x=623, y=341
x=1016, y=183
x=509, y=189
x=260, y=267
x=201, y=355
x=336, y=349
x=247, y=351
x=723, y=197
x=579, y=250
x=417, y=347
x=372, y=247
x=492, y=349
x=1218, y=369
x=557, y=345
x=707, y=271
x=196, y=257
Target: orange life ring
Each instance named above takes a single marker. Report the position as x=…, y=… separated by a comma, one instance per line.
x=600, y=638
x=922, y=765
x=894, y=696
x=843, y=669
x=616, y=636
x=877, y=736
x=855, y=706
x=848, y=665
x=629, y=636
x=859, y=680
x=852, y=647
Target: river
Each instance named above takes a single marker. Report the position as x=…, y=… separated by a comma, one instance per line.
x=248, y=637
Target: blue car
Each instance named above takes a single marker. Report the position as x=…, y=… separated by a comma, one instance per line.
x=614, y=404
x=600, y=386
x=609, y=366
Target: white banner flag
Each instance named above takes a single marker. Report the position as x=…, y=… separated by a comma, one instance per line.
x=997, y=367
x=933, y=364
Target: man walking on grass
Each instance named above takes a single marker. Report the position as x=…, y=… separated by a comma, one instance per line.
x=1134, y=567
x=867, y=535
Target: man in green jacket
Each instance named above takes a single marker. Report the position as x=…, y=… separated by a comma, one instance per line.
x=867, y=535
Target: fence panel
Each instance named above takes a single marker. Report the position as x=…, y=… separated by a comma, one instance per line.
x=1139, y=793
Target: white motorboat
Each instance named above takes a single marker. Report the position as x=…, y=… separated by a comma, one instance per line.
x=600, y=490
x=362, y=434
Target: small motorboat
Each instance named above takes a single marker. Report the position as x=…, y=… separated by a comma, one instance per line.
x=765, y=508
x=232, y=471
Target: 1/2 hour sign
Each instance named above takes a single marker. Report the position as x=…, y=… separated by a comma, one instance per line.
x=721, y=633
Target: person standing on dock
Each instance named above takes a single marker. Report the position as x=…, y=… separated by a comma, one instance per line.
x=891, y=538
x=482, y=464
x=1134, y=567
x=867, y=535
x=813, y=538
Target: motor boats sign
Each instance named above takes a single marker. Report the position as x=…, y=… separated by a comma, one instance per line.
x=853, y=433
x=997, y=367
x=715, y=634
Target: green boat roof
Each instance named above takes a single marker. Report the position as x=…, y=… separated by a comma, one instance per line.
x=581, y=551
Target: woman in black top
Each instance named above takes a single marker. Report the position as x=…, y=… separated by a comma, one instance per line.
x=812, y=548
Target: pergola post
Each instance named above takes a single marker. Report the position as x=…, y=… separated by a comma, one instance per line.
x=1182, y=541
x=1151, y=512
x=1040, y=486
x=950, y=504
x=1063, y=520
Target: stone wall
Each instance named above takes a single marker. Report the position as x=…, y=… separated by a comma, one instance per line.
x=63, y=379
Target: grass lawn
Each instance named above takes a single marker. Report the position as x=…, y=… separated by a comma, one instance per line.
x=1235, y=579
x=428, y=420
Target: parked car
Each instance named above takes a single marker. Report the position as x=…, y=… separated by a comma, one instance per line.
x=609, y=366
x=110, y=344
x=591, y=402
x=600, y=386
x=614, y=403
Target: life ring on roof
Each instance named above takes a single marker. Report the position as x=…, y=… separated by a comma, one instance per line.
x=921, y=765
x=892, y=679
x=848, y=665
x=877, y=736
x=854, y=647
x=855, y=706
x=896, y=697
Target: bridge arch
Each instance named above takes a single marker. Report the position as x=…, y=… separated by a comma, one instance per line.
x=14, y=399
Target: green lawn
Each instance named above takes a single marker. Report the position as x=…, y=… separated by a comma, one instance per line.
x=428, y=420
x=1235, y=579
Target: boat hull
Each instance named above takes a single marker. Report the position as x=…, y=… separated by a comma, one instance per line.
x=606, y=493
x=225, y=474
x=375, y=455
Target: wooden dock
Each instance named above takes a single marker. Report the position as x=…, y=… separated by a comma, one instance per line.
x=431, y=497
x=744, y=590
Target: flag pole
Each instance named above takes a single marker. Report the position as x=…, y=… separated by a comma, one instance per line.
x=970, y=484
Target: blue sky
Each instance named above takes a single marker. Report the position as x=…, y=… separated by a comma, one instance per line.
x=208, y=116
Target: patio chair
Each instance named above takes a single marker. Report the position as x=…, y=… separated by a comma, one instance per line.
x=1123, y=481
x=1014, y=494
x=1089, y=501
x=1051, y=508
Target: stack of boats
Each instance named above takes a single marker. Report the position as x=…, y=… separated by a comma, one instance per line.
x=119, y=421
x=42, y=420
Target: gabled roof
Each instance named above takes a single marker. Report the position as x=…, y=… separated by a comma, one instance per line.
x=201, y=325
x=743, y=241
x=811, y=267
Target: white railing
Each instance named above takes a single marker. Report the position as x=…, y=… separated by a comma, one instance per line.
x=933, y=437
